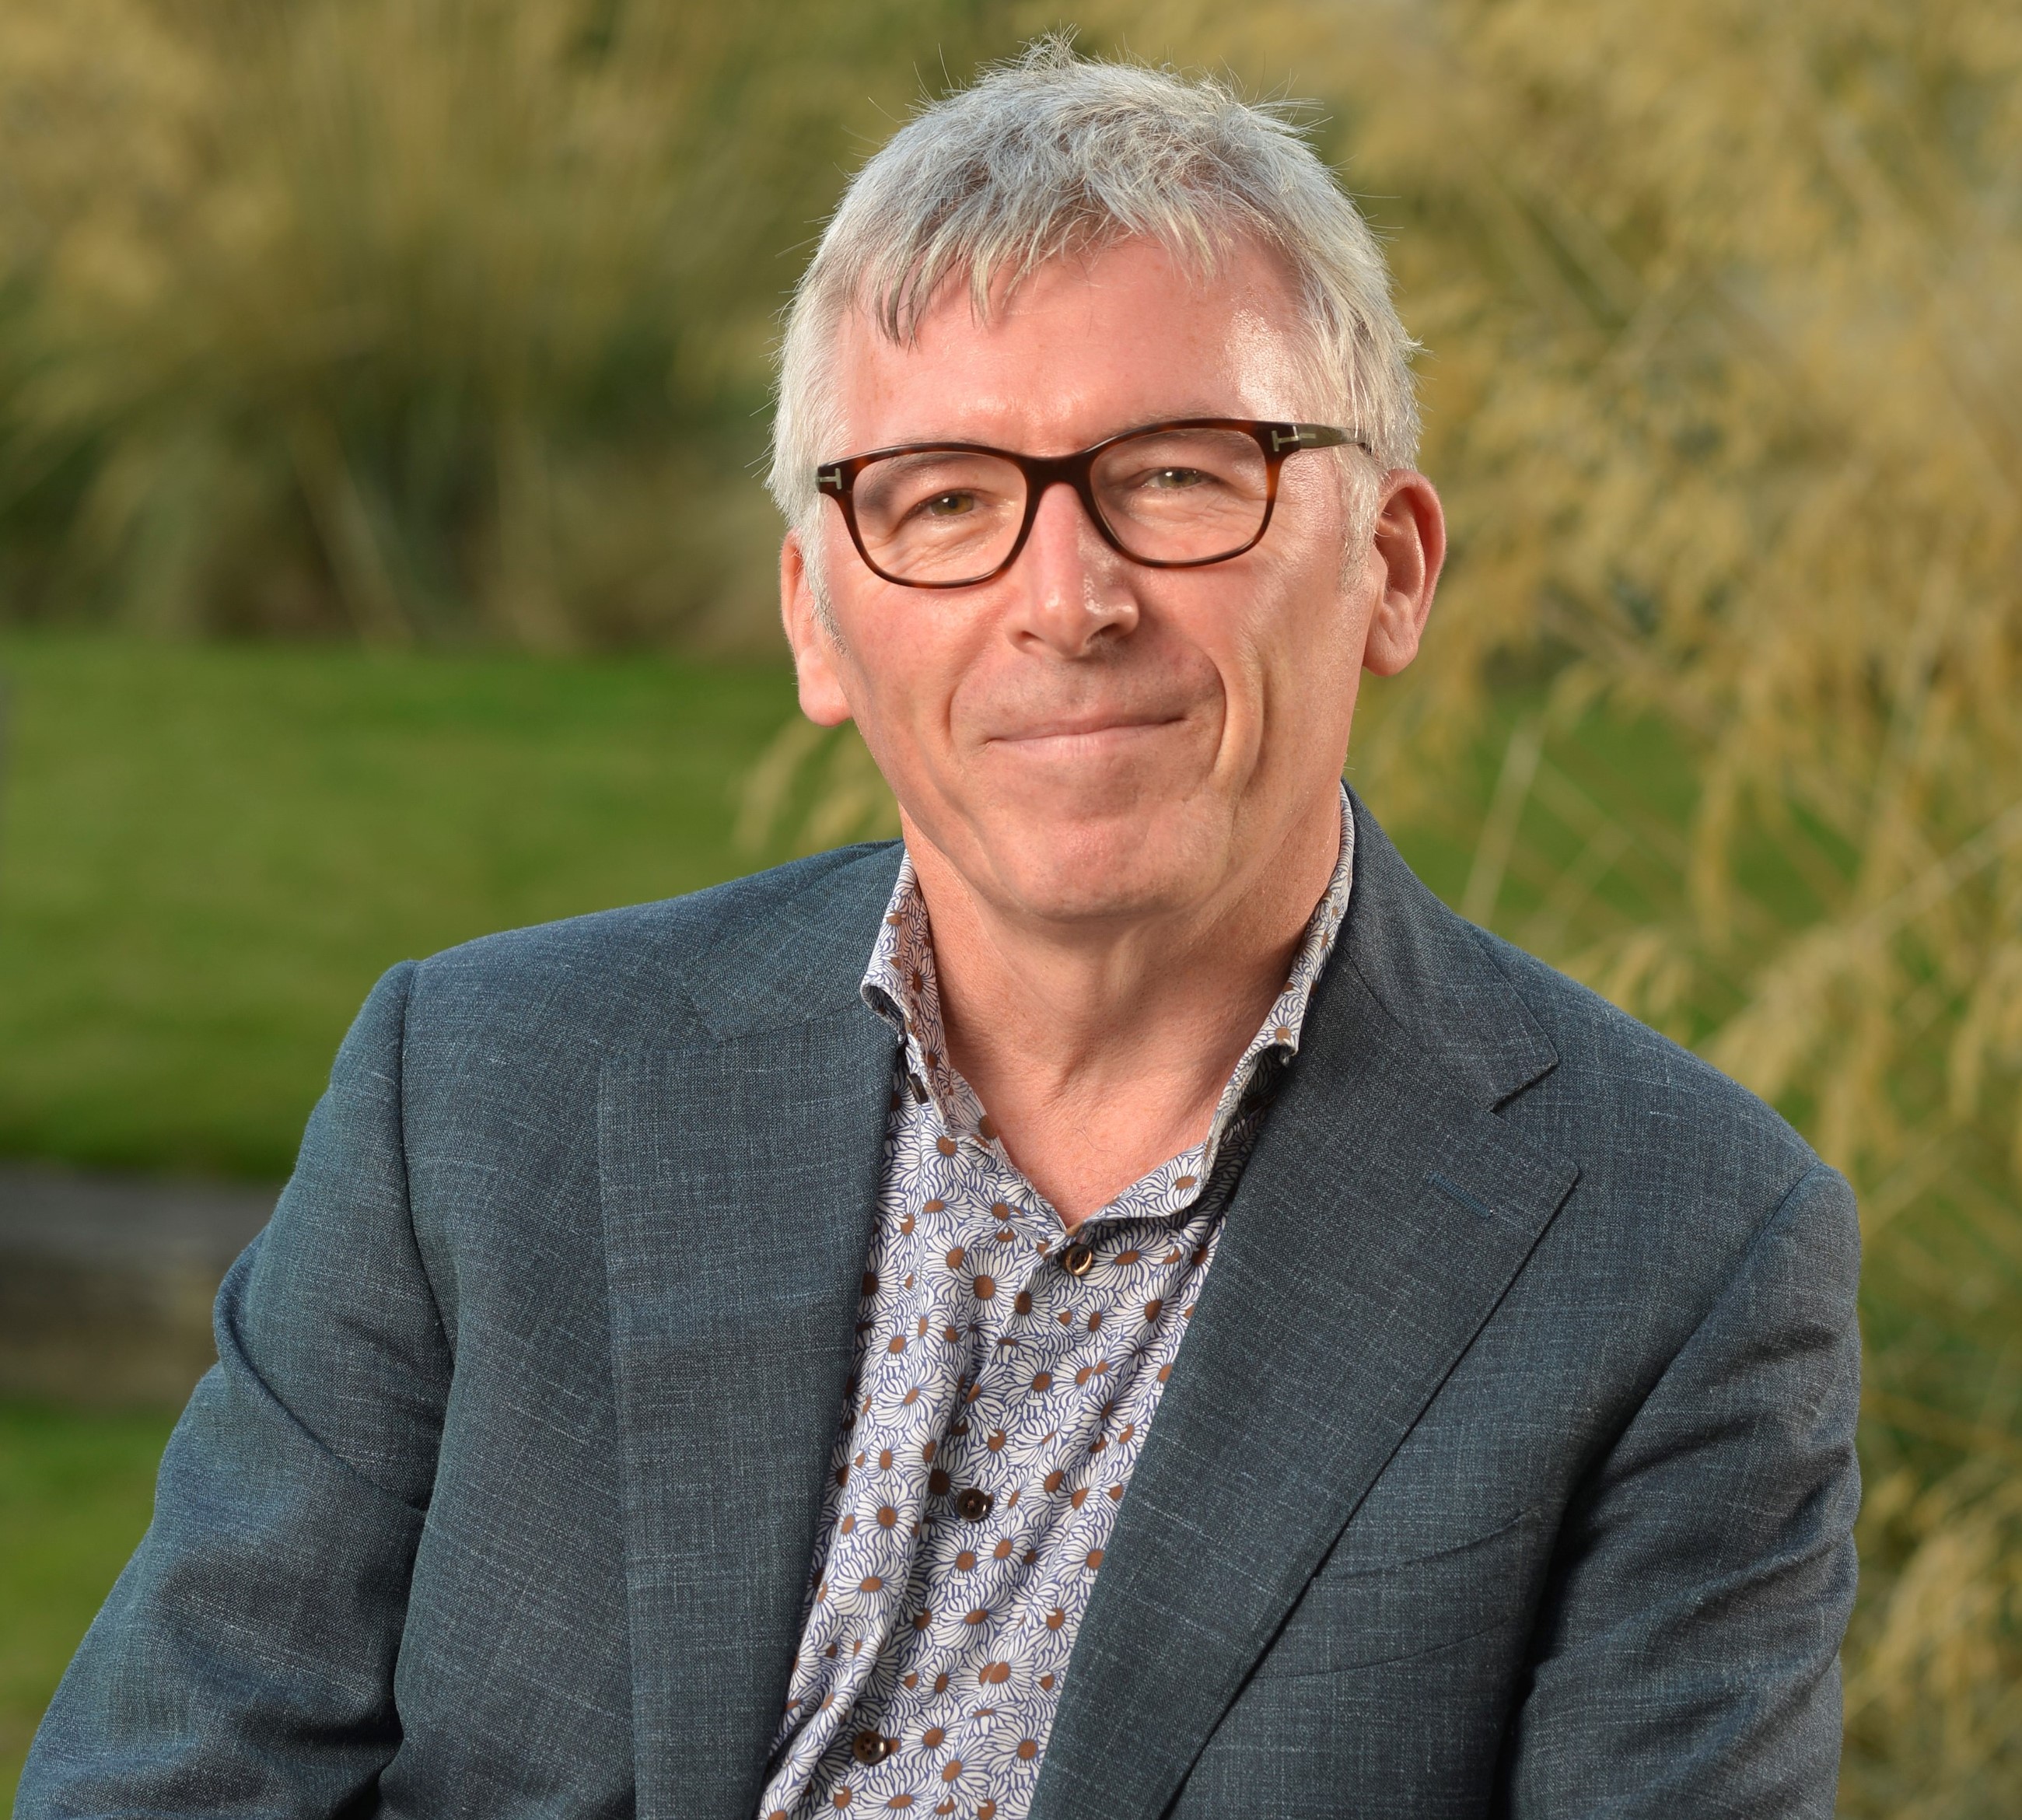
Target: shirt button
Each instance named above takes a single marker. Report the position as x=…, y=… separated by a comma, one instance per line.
x=869, y=1748
x=973, y=1503
x=1076, y=1260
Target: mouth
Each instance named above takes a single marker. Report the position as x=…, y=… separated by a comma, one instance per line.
x=1084, y=735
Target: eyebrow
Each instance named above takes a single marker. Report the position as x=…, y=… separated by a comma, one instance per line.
x=1121, y=427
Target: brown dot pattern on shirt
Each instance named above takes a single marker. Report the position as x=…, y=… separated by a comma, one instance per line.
x=984, y=1365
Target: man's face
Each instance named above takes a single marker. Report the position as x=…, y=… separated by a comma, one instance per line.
x=1085, y=739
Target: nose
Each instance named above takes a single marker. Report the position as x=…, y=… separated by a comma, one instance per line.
x=1071, y=590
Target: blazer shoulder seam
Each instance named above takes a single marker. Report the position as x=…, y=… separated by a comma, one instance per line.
x=1746, y=1255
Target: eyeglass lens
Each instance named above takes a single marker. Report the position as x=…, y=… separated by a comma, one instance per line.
x=1178, y=495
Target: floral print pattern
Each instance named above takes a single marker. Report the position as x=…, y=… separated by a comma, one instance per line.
x=1006, y=1370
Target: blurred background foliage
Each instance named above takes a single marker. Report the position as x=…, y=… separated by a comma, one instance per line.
x=425, y=321
x=445, y=324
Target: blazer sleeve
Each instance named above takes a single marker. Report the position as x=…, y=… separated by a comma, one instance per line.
x=1689, y=1664
x=244, y=1662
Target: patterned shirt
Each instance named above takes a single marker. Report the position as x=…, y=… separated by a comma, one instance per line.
x=1006, y=1373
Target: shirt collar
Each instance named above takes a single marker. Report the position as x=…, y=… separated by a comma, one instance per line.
x=899, y=985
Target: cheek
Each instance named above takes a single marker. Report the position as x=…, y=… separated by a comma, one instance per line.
x=908, y=667
x=1302, y=657
x=1326, y=585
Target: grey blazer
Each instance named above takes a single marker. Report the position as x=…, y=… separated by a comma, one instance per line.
x=500, y=1500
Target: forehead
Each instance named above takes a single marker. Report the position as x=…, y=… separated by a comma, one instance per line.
x=1085, y=345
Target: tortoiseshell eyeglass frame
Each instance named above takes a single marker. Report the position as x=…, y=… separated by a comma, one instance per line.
x=1276, y=441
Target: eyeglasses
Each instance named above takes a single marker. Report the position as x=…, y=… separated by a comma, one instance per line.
x=1170, y=496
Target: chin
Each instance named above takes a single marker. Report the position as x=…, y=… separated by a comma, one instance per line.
x=1102, y=867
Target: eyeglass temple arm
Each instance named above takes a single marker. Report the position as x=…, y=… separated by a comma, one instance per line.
x=1285, y=437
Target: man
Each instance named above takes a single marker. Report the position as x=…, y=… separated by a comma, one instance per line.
x=1122, y=1306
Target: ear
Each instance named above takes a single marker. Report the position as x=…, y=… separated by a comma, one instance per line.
x=1408, y=545
x=816, y=654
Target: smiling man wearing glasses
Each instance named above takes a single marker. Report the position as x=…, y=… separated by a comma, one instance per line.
x=1120, y=1306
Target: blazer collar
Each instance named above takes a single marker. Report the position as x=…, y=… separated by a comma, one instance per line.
x=1435, y=979
x=1381, y=1217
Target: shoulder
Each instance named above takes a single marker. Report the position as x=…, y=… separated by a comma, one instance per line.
x=1556, y=1060
x=769, y=949
x=1623, y=1073
x=1669, y=1148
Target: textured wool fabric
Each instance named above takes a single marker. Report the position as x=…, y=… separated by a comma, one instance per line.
x=1507, y=1467
x=936, y=1641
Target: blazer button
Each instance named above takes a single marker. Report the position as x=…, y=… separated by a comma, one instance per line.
x=973, y=1503
x=868, y=1747
x=1076, y=1260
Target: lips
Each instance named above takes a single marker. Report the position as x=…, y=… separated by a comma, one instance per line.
x=1094, y=728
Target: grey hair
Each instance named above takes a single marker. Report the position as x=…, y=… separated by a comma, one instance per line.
x=1051, y=154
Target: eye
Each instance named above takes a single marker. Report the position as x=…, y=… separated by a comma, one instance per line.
x=949, y=505
x=1174, y=480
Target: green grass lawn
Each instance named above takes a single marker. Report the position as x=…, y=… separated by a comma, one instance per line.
x=209, y=853
x=74, y=1494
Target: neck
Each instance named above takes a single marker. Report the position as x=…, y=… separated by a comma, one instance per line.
x=1100, y=1051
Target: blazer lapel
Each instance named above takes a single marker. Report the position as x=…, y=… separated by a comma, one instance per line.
x=1385, y=1212
x=739, y=1179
